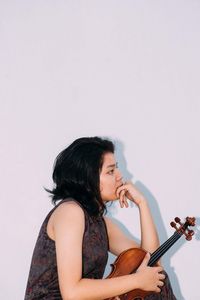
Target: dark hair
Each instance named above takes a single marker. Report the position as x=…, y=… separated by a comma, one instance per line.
x=77, y=170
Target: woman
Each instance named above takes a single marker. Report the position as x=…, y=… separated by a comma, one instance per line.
x=71, y=252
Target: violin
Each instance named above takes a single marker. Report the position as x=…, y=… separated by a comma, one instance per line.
x=129, y=260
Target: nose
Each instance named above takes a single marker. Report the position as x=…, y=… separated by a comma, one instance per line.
x=119, y=175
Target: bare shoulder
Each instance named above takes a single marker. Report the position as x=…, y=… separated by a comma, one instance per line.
x=69, y=207
x=68, y=214
x=68, y=211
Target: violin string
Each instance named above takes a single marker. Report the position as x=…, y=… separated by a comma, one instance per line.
x=163, y=248
x=160, y=251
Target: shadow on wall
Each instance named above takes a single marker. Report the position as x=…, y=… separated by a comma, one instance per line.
x=153, y=204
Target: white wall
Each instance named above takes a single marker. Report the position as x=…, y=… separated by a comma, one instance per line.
x=128, y=70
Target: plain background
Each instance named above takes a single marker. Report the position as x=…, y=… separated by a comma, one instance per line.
x=127, y=70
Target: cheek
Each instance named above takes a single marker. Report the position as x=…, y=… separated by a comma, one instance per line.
x=106, y=183
x=108, y=187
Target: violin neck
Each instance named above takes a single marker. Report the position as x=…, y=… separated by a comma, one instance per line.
x=155, y=256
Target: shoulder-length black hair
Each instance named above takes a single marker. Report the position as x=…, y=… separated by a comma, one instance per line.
x=77, y=171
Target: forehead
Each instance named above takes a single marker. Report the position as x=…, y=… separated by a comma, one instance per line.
x=108, y=159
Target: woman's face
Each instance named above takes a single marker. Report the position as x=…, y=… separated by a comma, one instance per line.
x=110, y=178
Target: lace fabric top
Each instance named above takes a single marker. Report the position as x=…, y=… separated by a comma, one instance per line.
x=43, y=276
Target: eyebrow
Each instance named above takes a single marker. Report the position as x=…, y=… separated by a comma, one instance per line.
x=112, y=166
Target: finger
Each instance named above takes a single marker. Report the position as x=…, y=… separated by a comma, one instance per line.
x=121, y=195
x=157, y=290
x=160, y=283
x=159, y=269
x=121, y=200
x=119, y=189
x=162, y=276
x=125, y=201
x=121, y=203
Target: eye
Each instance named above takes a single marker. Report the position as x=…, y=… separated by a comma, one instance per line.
x=111, y=172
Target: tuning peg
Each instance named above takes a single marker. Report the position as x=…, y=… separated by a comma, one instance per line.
x=190, y=232
x=178, y=220
x=173, y=224
x=188, y=236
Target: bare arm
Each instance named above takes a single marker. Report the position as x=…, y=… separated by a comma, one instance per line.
x=118, y=241
x=149, y=236
x=68, y=228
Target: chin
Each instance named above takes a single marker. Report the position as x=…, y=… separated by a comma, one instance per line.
x=114, y=198
x=109, y=199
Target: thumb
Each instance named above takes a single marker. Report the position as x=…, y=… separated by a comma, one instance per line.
x=146, y=259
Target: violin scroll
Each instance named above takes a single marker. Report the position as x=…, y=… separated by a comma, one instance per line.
x=190, y=221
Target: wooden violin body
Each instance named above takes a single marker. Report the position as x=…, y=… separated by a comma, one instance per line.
x=126, y=263
x=129, y=260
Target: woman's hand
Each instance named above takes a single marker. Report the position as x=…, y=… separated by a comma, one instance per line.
x=151, y=278
x=129, y=191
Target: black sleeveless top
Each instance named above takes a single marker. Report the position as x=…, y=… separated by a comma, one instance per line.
x=43, y=276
